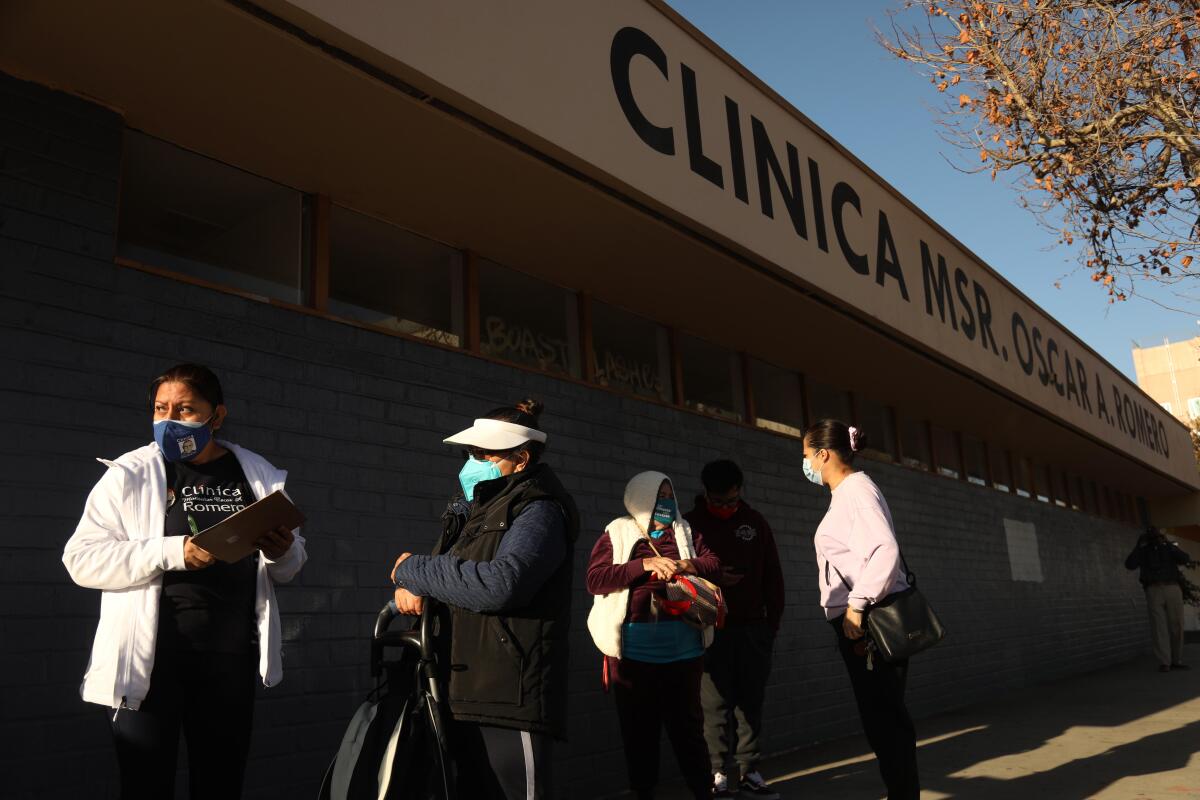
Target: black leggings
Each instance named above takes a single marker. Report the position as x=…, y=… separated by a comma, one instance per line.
x=879, y=692
x=210, y=697
x=651, y=698
x=501, y=763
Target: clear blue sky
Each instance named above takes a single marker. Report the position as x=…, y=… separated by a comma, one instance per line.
x=822, y=56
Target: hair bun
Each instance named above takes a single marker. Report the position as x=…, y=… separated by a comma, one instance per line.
x=858, y=439
x=533, y=408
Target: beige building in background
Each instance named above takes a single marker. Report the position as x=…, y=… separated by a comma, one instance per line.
x=1170, y=373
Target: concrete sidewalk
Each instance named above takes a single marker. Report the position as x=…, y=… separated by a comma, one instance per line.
x=1120, y=733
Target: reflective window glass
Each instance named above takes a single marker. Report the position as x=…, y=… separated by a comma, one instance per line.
x=828, y=402
x=1041, y=483
x=386, y=276
x=1023, y=477
x=630, y=353
x=1000, y=461
x=777, y=404
x=190, y=214
x=946, y=453
x=876, y=419
x=975, y=455
x=712, y=378
x=914, y=442
x=528, y=321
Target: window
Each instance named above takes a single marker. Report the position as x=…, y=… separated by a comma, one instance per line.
x=1041, y=483
x=877, y=422
x=1128, y=505
x=527, y=322
x=914, y=443
x=1060, y=487
x=975, y=458
x=1000, y=461
x=712, y=378
x=196, y=216
x=1193, y=408
x=777, y=405
x=630, y=353
x=1078, y=496
x=386, y=276
x=946, y=454
x=826, y=402
x=1023, y=477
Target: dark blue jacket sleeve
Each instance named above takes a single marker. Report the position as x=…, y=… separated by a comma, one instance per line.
x=528, y=555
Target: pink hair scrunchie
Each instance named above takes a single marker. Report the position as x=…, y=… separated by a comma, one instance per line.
x=853, y=439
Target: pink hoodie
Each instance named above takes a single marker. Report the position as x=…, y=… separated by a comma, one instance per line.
x=856, y=538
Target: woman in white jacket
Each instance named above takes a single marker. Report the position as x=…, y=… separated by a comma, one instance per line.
x=181, y=635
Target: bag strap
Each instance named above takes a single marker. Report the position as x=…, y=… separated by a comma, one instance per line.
x=650, y=541
x=909, y=575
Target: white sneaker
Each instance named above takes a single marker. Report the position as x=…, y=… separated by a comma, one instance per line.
x=721, y=786
x=753, y=785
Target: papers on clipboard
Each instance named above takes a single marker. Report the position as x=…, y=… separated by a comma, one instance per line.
x=233, y=538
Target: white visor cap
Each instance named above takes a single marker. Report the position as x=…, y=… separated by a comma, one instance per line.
x=495, y=435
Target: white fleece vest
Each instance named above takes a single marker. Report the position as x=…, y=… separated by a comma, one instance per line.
x=609, y=610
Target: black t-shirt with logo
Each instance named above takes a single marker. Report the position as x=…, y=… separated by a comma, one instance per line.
x=209, y=609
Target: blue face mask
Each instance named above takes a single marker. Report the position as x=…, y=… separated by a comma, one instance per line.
x=182, y=441
x=475, y=471
x=812, y=474
x=664, y=513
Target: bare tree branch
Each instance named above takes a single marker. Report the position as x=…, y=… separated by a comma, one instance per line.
x=1093, y=103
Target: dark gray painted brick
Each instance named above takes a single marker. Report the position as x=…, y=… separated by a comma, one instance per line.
x=357, y=418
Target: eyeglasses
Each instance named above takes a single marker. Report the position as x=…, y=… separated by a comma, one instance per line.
x=483, y=455
x=726, y=503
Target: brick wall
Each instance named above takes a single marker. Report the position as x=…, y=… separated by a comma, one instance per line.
x=357, y=418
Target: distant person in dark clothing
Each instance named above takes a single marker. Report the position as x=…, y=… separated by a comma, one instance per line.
x=503, y=568
x=1159, y=561
x=738, y=663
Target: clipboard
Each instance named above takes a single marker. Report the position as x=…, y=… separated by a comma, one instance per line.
x=233, y=538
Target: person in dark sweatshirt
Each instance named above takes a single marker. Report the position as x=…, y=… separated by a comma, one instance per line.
x=1159, y=561
x=502, y=568
x=738, y=664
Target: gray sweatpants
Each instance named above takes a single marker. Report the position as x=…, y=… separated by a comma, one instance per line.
x=1165, y=604
x=736, y=668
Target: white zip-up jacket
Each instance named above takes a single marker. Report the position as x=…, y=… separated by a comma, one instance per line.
x=119, y=547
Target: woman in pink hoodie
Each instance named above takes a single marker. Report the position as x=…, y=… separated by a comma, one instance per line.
x=858, y=562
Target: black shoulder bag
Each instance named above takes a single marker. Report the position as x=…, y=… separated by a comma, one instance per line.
x=903, y=623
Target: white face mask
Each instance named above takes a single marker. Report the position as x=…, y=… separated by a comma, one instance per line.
x=813, y=474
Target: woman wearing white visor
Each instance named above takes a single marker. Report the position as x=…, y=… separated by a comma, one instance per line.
x=503, y=569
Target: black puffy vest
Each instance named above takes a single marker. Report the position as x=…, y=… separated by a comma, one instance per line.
x=509, y=669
